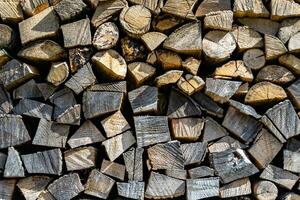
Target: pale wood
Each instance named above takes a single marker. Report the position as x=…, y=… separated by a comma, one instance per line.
x=190, y=84
x=78, y=57
x=7, y=188
x=170, y=77
x=208, y=6
x=294, y=45
x=264, y=26
x=133, y=160
x=7, y=36
x=202, y=188
x=33, y=7
x=236, y=188
x=200, y=172
x=69, y=9
x=27, y=90
x=294, y=93
x=113, y=169
x=58, y=73
x=193, y=153
x=247, y=38
x=132, y=49
x=153, y=5
x=291, y=62
x=168, y=59
x=106, y=36
x=115, y=124
x=272, y=128
x=288, y=28
x=252, y=8
x=151, y=58
x=281, y=9
x=187, y=129
x=191, y=65
x=140, y=72
x=212, y=130
x=242, y=91
x=11, y=11
x=62, y=99
x=274, y=48
x=153, y=39
x=224, y=144
x=13, y=166
x=290, y=196
x=177, y=173
x=185, y=86
x=180, y=8
x=45, y=195
x=275, y=74
x=254, y=59
x=40, y=26
x=220, y=20
x=132, y=190
x=80, y=158
x=291, y=161
x=265, y=190
x=4, y=57
x=165, y=23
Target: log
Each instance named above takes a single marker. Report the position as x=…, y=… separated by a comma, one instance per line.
x=254, y=59
x=279, y=176
x=176, y=173
x=133, y=160
x=51, y=134
x=4, y=57
x=191, y=65
x=33, y=7
x=245, y=109
x=140, y=72
x=190, y=84
x=80, y=158
x=275, y=74
x=232, y=164
x=83, y=78
x=69, y=9
x=22, y=73
x=242, y=91
x=294, y=45
x=46, y=89
x=11, y=11
x=272, y=128
x=264, y=92
x=151, y=130
x=78, y=57
x=288, y=28
x=98, y=184
x=66, y=187
x=152, y=40
x=44, y=162
x=12, y=131
x=118, y=86
x=201, y=172
x=151, y=58
x=180, y=8
x=208, y=6
x=70, y=115
x=264, y=149
x=281, y=9
x=168, y=59
x=110, y=63
x=224, y=144
x=111, y=102
x=190, y=43
x=221, y=90
x=7, y=36
x=263, y=190
x=42, y=25
x=202, y=188
x=132, y=189
x=291, y=161
x=13, y=166
x=162, y=187
x=117, y=145
x=45, y=195
x=32, y=186
x=58, y=73
x=290, y=196
x=170, y=77
x=115, y=124
x=221, y=40
x=274, y=48
x=212, y=130
x=77, y=33
x=152, y=5
x=113, y=169
x=247, y=38
x=236, y=188
x=264, y=26
x=86, y=134
x=187, y=129
x=166, y=156
x=294, y=93
x=193, y=153
x=165, y=23
x=252, y=8
x=7, y=188
x=5, y=101
x=220, y=20
x=106, y=36
x=27, y=90
x=291, y=62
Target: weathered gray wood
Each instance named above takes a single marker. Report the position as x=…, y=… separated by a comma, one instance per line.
x=5, y=101
x=140, y=72
x=291, y=161
x=98, y=184
x=46, y=89
x=275, y=74
x=279, y=176
x=293, y=92
x=180, y=8
x=166, y=156
x=12, y=131
x=58, y=73
x=162, y=187
x=78, y=57
x=252, y=8
x=13, y=165
x=132, y=49
x=236, y=188
x=176, y=173
x=224, y=144
x=272, y=128
x=254, y=59
x=27, y=90
x=51, y=134
x=119, y=86
x=133, y=159
x=106, y=36
x=66, y=187
x=193, y=153
x=69, y=9
x=293, y=45
x=288, y=28
x=70, y=115
x=77, y=33
x=32, y=186
x=293, y=145
x=132, y=190
x=115, y=124
x=232, y=164
x=281, y=9
x=264, y=26
x=220, y=20
x=44, y=162
x=187, y=128
x=291, y=62
x=200, y=172
x=7, y=188
x=33, y=7
x=86, y=134
x=22, y=73
x=62, y=99
x=80, y=158
x=110, y=102
x=242, y=91
x=247, y=38
x=117, y=145
x=11, y=11
x=113, y=169
x=263, y=190
x=202, y=188
x=208, y=6
x=273, y=47
x=212, y=130
x=151, y=130
x=40, y=26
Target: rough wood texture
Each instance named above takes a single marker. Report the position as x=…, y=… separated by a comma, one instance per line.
x=78, y=57
x=191, y=65
x=132, y=190
x=176, y=173
x=106, y=36
x=3, y=158
x=263, y=190
x=5, y=101
x=220, y=20
x=291, y=161
x=27, y=90
x=150, y=130
x=7, y=188
x=118, y=86
x=13, y=165
x=11, y=11
x=281, y=9
x=165, y=23
x=168, y=59
x=275, y=74
x=140, y=72
x=212, y=130
x=291, y=62
x=69, y=9
x=170, y=77
x=163, y=187
x=33, y=7
x=133, y=160
x=113, y=169
x=180, y=8
x=132, y=49
x=7, y=36
x=187, y=129
x=252, y=8
x=202, y=188
x=288, y=28
x=153, y=39
x=208, y=6
x=273, y=47
x=294, y=45
x=45, y=162
x=224, y=144
x=193, y=153
x=58, y=73
x=80, y=158
x=200, y=172
x=294, y=93
x=236, y=188
x=247, y=38
x=115, y=124
x=190, y=84
x=254, y=59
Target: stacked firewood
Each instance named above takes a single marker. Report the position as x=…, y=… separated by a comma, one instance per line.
x=149, y=99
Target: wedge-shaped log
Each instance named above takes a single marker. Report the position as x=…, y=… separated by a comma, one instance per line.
x=273, y=47
x=202, y=188
x=58, y=73
x=252, y=8
x=115, y=124
x=168, y=59
x=27, y=90
x=187, y=129
x=200, y=172
x=291, y=161
x=80, y=158
x=140, y=72
x=193, y=153
x=208, y=6
x=7, y=188
x=132, y=189
x=275, y=74
x=13, y=165
x=281, y=9
x=236, y=188
x=153, y=39
x=69, y=9
x=106, y=36
x=170, y=77
x=224, y=144
x=133, y=160
x=180, y=8
x=247, y=38
x=113, y=169
x=264, y=26
x=291, y=62
x=212, y=130
x=288, y=28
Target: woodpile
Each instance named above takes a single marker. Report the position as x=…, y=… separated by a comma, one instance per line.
x=150, y=99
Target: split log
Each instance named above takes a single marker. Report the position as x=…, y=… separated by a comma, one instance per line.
x=294, y=45
x=46, y=89
x=78, y=57
x=11, y=11
x=176, y=173
x=27, y=90
x=132, y=49
x=117, y=145
x=291, y=62
x=187, y=129
x=83, y=78
x=133, y=160
x=254, y=59
x=272, y=128
x=279, y=176
x=58, y=73
x=264, y=92
x=51, y=134
x=218, y=46
x=293, y=92
x=110, y=63
x=132, y=190
x=22, y=73
x=12, y=131
x=190, y=43
x=140, y=72
x=191, y=65
x=118, y=86
x=77, y=33
x=220, y=20
x=193, y=153
x=162, y=187
x=247, y=38
x=66, y=187
x=274, y=48
x=107, y=10
x=265, y=190
x=69, y=9
x=170, y=77
x=291, y=161
x=190, y=84
x=5, y=101
x=202, y=188
x=153, y=39
x=4, y=57
x=167, y=156
x=275, y=74
x=237, y=188
x=151, y=58
x=200, y=172
x=45, y=162
x=7, y=188
x=152, y=5
x=151, y=130
x=290, y=196
x=245, y=109
x=63, y=98
x=70, y=115
x=208, y=6
x=180, y=8
x=165, y=23
x=264, y=26
x=113, y=169
x=111, y=102
x=98, y=184
x=45, y=195
x=106, y=36
x=288, y=28
x=40, y=26
x=7, y=36
x=115, y=124
x=252, y=8
x=32, y=186
x=232, y=164
x=281, y=9
x=168, y=59
x=13, y=165
x=242, y=91
x=221, y=90
x=224, y=144
x=80, y=158
x=213, y=130
x=264, y=148
x=33, y=7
